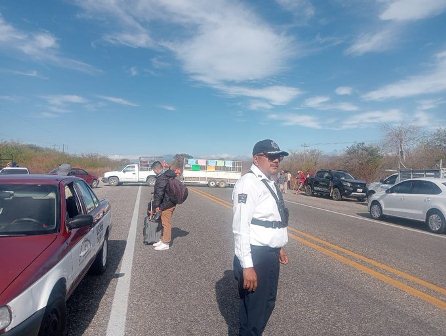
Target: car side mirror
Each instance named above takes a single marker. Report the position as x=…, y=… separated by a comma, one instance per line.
x=80, y=221
x=388, y=191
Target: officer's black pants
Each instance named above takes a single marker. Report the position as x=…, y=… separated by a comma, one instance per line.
x=256, y=307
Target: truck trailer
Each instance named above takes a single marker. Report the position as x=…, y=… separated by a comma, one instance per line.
x=214, y=173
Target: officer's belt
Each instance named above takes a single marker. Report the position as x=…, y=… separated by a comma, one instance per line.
x=268, y=224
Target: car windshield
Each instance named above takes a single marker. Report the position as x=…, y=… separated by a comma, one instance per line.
x=343, y=176
x=27, y=209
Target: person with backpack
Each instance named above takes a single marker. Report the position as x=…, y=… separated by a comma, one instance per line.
x=164, y=203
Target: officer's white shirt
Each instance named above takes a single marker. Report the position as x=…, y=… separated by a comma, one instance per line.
x=252, y=199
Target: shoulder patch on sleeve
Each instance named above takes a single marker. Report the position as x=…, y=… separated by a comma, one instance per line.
x=242, y=198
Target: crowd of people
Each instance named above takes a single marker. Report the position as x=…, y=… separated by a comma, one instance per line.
x=294, y=183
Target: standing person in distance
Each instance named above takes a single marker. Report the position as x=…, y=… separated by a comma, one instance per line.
x=163, y=204
x=259, y=227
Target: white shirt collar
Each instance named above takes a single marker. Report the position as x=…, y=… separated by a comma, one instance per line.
x=259, y=173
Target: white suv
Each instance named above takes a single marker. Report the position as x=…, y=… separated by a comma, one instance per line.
x=421, y=199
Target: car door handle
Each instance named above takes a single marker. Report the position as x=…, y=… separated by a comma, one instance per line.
x=427, y=199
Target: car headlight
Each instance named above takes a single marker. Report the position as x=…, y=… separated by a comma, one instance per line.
x=5, y=317
x=346, y=184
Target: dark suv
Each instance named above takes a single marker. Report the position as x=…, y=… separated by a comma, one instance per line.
x=336, y=184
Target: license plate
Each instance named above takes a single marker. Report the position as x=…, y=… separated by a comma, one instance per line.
x=359, y=190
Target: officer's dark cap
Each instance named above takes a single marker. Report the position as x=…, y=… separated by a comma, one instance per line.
x=268, y=146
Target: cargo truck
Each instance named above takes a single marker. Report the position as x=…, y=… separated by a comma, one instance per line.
x=210, y=172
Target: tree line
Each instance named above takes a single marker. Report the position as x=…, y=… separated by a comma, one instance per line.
x=402, y=146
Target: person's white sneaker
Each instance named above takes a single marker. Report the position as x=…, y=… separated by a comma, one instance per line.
x=162, y=247
x=158, y=243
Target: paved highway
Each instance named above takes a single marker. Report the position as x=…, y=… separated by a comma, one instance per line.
x=348, y=274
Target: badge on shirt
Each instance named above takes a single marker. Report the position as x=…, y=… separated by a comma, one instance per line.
x=242, y=198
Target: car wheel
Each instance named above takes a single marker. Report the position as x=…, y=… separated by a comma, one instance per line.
x=376, y=210
x=336, y=195
x=100, y=262
x=436, y=222
x=151, y=181
x=95, y=183
x=212, y=184
x=308, y=190
x=54, y=319
x=222, y=184
x=113, y=181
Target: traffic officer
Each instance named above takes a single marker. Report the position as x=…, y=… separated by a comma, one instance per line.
x=259, y=226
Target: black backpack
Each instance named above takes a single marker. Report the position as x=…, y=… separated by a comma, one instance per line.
x=177, y=191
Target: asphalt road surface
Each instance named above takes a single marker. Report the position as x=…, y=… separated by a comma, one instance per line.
x=347, y=275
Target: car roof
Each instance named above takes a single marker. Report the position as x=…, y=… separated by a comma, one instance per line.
x=432, y=179
x=35, y=179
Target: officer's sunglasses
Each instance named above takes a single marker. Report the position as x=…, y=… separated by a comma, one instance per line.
x=272, y=157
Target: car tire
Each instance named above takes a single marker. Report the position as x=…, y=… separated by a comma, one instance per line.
x=376, y=211
x=151, y=181
x=212, y=184
x=113, y=181
x=101, y=261
x=222, y=184
x=336, y=194
x=436, y=222
x=55, y=317
x=95, y=183
x=308, y=190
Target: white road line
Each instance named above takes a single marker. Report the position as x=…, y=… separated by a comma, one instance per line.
x=118, y=315
x=370, y=220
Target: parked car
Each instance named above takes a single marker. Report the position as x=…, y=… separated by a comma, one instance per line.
x=382, y=185
x=421, y=199
x=14, y=170
x=53, y=229
x=336, y=184
x=92, y=180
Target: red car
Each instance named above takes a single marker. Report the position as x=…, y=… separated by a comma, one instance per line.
x=53, y=229
x=92, y=180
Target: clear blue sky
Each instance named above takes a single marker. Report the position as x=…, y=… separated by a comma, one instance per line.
x=212, y=77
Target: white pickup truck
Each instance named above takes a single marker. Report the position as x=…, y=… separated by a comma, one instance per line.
x=132, y=173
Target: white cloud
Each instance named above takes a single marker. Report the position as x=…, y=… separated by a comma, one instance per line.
x=344, y=90
x=317, y=101
x=133, y=71
x=375, y=117
x=289, y=119
x=274, y=95
x=168, y=107
x=423, y=119
x=61, y=100
x=405, y=10
x=429, y=104
x=301, y=9
x=118, y=101
x=259, y=105
x=433, y=81
x=60, y=104
x=374, y=42
x=39, y=46
x=220, y=41
x=323, y=103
